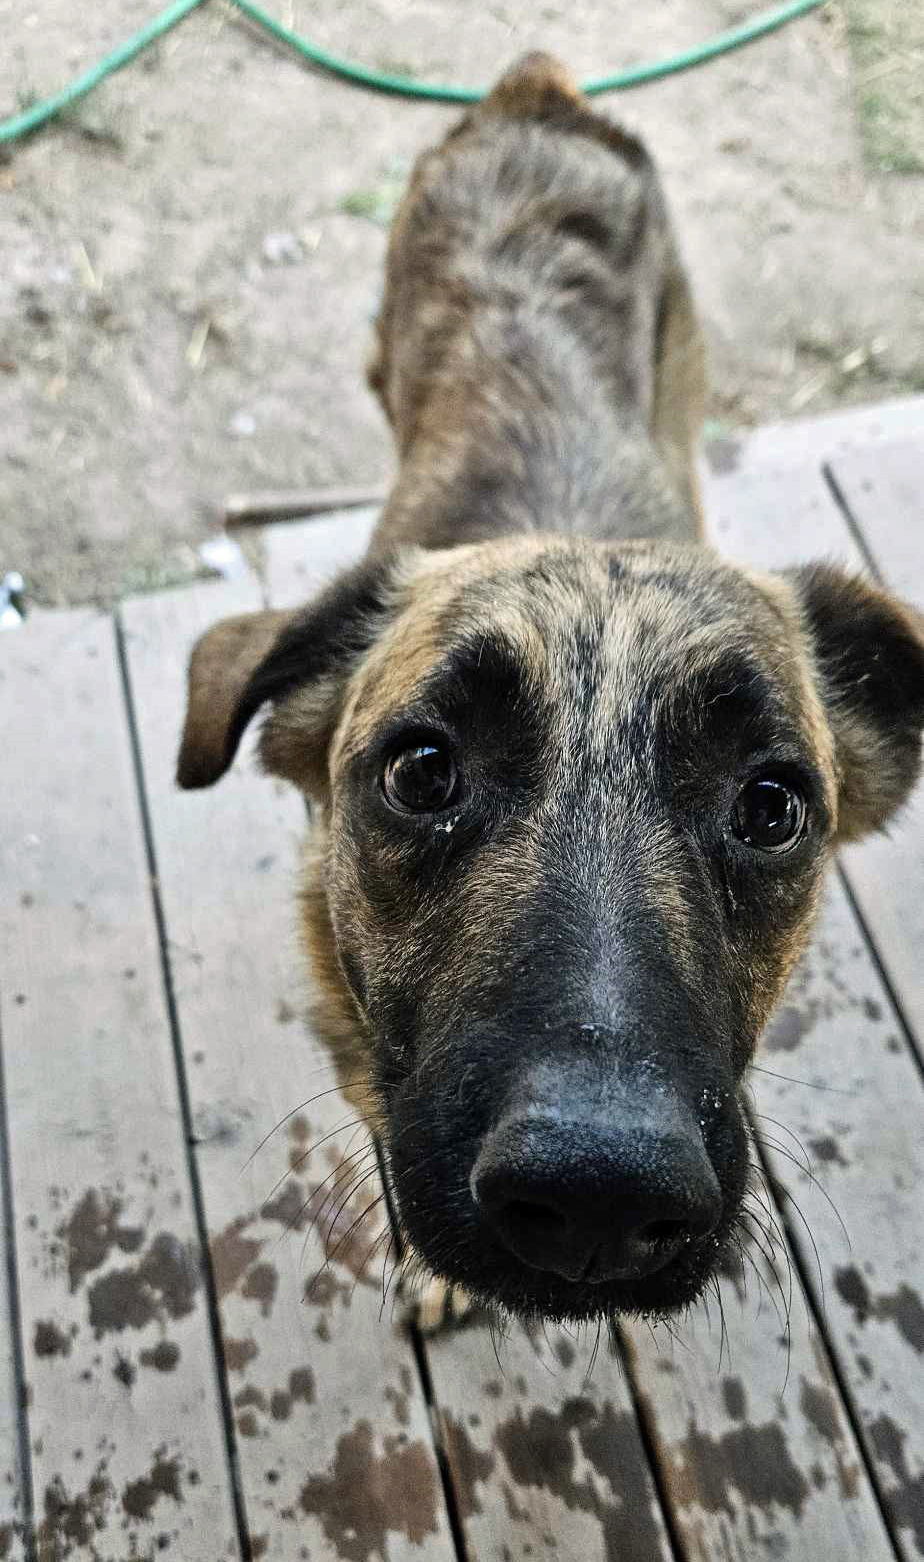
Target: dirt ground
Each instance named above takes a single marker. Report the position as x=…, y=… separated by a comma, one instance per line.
x=191, y=260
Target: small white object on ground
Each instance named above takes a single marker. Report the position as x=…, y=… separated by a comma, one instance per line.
x=224, y=557
x=12, y=611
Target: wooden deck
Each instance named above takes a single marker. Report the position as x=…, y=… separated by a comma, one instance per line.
x=173, y=1383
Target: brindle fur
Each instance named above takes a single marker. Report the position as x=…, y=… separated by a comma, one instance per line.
x=536, y=319
x=538, y=358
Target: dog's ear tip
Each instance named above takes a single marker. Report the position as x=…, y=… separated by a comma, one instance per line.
x=198, y=766
x=222, y=665
x=536, y=82
x=192, y=778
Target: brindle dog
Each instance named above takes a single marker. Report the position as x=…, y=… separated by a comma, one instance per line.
x=573, y=794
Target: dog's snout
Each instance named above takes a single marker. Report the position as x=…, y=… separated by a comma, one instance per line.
x=596, y=1202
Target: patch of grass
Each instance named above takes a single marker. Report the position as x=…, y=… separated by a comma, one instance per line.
x=362, y=203
x=886, y=40
x=901, y=162
x=376, y=203
x=884, y=133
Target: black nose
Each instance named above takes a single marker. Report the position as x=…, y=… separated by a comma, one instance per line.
x=593, y=1201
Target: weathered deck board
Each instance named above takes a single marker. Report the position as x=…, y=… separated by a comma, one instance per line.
x=859, y=1118
x=756, y=1465
x=11, y=1476
x=777, y=516
x=769, y=518
x=858, y=1113
x=546, y=1462
x=839, y=1028
x=884, y=491
x=332, y=1432
x=801, y=441
x=123, y=1451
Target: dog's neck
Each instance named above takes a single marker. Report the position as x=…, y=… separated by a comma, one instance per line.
x=525, y=436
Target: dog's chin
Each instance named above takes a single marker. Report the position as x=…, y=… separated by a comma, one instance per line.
x=497, y=1281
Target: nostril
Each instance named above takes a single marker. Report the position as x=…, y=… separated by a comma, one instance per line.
x=540, y=1235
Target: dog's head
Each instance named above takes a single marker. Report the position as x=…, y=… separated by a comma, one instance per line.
x=576, y=800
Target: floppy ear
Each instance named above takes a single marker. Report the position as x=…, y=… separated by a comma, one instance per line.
x=222, y=664
x=869, y=649
x=241, y=663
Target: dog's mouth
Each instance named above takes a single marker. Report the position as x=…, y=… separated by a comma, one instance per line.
x=674, y=1284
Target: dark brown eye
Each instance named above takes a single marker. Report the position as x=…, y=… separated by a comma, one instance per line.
x=769, y=814
x=420, y=780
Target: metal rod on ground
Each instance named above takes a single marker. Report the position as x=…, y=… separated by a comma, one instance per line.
x=290, y=504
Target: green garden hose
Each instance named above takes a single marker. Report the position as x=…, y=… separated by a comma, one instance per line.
x=39, y=113
x=401, y=86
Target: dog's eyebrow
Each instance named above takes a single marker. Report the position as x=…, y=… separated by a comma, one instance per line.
x=732, y=694
x=488, y=661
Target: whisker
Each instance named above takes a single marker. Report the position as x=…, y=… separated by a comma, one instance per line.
x=769, y=1256
x=306, y=1154
x=376, y=1242
x=328, y=1256
x=302, y=1107
x=786, y=1299
x=492, y=1330
x=763, y=1290
x=724, y=1342
x=676, y=1338
x=345, y=1238
x=781, y=1150
x=361, y=1177
x=784, y=1128
x=766, y=1205
x=785, y=1193
x=593, y=1355
x=387, y=1283
x=534, y=1346
x=810, y=1084
x=316, y=1189
x=759, y=1237
x=355, y=1176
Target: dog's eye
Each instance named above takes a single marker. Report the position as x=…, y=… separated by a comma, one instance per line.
x=769, y=814
x=420, y=780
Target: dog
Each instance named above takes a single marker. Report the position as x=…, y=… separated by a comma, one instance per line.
x=575, y=780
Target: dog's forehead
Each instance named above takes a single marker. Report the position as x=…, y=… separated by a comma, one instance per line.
x=618, y=603
x=601, y=620
x=661, y=600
